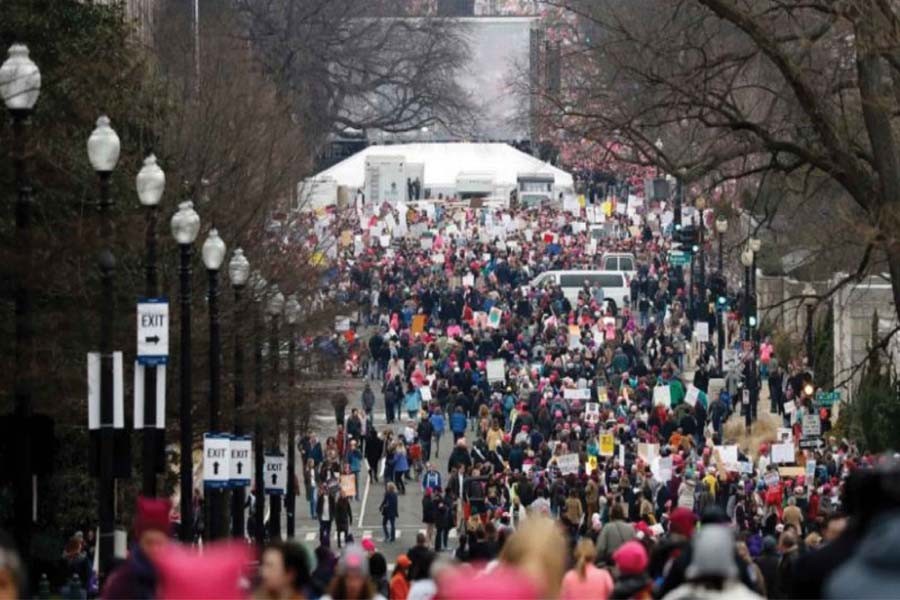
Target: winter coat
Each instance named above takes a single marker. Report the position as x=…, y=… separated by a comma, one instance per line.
x=388, y=505
x=458, y=422
x=343, y=514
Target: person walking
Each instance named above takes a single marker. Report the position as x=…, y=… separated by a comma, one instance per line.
x=389, y=512
x=401, y=467
x=325, y=514
x=374, y=452
x=437, y=427
x=368, y=402
x=343, y=517
x=585, y=580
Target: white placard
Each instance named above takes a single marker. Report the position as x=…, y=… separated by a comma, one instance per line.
x=648, y=452
x=241, y=462
x=663, y=470
x=468, y=280
x=662, y=396
x=592, y=412
x=789, y=407
x=426, y=242
x=729, y=456
x=94, y=378
x=437, y=259
x=782, y=453
x=577, y=394
x=275, y=474
x=701, y=331
x=384, y=240
x=785, y=435
x=812, y=426
x=216, y=459
x=692, y=396
x=496, y=370
x=425, y=392
x=567, y=463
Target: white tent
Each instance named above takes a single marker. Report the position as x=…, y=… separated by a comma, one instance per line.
x=445, y=162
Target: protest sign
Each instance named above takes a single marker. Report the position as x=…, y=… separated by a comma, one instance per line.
x=662, y=396
x=591, y=465
x=661, y=468
x=494, y=317
x=384, y=240
x=693, y=394
x=577, y=394
x=785, y=435
x=607, y=444
x=567, y=463
x=496, y=370
x=701, y=331
x=425, y=392
x=648, y=452
x=426, y=242
x=771, y=478
x=468, y=280
x=602, y=396
x=789, y=407
x=782, y=453
x=592, y=411
x=418, y=323
x=348, y=485
x=811, y=471
x=728, y=457
x=812, y=425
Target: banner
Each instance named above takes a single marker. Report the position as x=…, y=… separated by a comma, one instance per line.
x=782, y=453
x=648, y=452
x=577, y=394
x=496, y=370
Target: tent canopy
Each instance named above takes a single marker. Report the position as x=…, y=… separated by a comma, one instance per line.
x=444, y=162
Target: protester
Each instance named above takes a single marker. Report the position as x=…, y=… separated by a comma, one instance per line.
x=400, y=578
x=284, y=572
x=586, y=581
x=137, y=576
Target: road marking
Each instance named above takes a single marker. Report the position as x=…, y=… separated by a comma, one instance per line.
x=398, y=534
x=310, y=536
x=362, y=510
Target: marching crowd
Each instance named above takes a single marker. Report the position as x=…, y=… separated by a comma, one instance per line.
x=576, y=445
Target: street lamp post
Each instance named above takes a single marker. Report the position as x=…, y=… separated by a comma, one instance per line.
x=238, y=273
x=809, y=292
x=259, y=294
x=700, y=204
x=150, y=183
x=213, y=253
x=185, y=227
x=721, y=228
x=755, y=246
x=20, y=86
x=103, y=152
x=275, y=310
x=292, y=316
x=747, y=261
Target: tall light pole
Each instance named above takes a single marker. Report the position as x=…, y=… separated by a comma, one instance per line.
x=185, y=227
x=238, y=273
x=20, y=86
x=275, y=309
x=103, y=152
x=150, y=183
x=292, y=316
x=700, y=204
x=259, y=295
x=213, y=253
x=746, y=260
x=810, y=302
x=721, y=228
x=755, y=246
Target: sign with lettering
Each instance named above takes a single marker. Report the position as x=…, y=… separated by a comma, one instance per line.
x=275, y=474
x=240, y=462
x=153, y=331
x=216, y=459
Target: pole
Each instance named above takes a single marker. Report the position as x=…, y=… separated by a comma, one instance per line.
x=721, y=260
x=184, y=406
x=745, y=330
x=216, y=498
x=690, y=288
x=237, y=495
x=24, y=367
x=810, y=310
x=275, y=509
x=150, y=435
x=702, y=287
x=752, y=335
x=105, y=489
x=258, y=442
x=291, y=500
x=720, y=322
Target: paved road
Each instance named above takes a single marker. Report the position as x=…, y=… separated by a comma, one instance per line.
x=366, y=516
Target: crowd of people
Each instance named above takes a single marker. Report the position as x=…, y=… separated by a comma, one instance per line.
x=577, y=446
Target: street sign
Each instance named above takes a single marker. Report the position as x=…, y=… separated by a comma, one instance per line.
x=679, y=258
x=812, y=426
x=216, y=456
x=828, y=398
x=275, y=474
x=241, y=461
x=153, y=331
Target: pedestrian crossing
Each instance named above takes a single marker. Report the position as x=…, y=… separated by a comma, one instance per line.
x=313, y=536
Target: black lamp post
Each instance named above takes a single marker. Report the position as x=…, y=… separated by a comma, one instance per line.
x=275, y=310
x=746, y=260
x=151, y=182
x=809, y=291
x=238, y=273
x=20, y=86
x=292, y=316
x=103, y=151
x=721, y=228
x=213, y=253
x=185, y=227
x=755, y=246
x=259, y=294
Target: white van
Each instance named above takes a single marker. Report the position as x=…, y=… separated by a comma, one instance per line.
x=614, y=284
x=620, y=261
